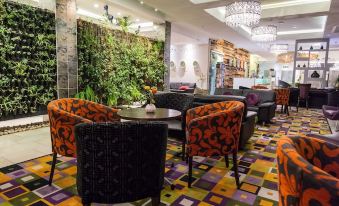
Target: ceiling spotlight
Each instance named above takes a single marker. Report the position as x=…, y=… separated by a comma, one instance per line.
x=119, y=14
x=141, y=2
x=155, y=27
x=96, y=5
x=137, y=20
x=155, y=9
x=294, y=27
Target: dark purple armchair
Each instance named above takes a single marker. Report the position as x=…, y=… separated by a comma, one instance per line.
x=304, y=90
x=331, y=111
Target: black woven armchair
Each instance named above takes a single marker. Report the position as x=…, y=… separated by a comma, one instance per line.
x=178, y=101
x=120, y=162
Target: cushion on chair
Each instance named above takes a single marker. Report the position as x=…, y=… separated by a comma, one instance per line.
x=252, y=99
x=184, y=88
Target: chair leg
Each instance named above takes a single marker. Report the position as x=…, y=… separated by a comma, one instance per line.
x=307, y=104
x=287, y=112
x=52, y=168
x=156, y=200
x=227, y=161
x=183, y=150
x=235, y=167
x=190, y=160
x=298, y=105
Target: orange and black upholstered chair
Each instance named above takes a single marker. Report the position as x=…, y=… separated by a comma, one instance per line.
x=283, y=98
x=308, y=171
x=64, y=114
x=120, y=162
x=214, y=130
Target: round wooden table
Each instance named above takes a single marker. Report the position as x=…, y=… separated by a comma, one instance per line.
x=139, y=114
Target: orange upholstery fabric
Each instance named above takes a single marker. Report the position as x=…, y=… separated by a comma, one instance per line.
x=282, y=96
x=308, y=171
x=214, y=129
x=64, y=114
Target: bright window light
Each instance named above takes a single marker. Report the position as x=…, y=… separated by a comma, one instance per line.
x=291, y=3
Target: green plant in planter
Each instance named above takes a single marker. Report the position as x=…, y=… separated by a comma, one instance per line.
x=21, y=67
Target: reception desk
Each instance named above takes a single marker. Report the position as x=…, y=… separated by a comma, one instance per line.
x=317, y=97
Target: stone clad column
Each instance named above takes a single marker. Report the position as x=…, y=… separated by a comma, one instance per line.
x=67, y=57
x=167, y=55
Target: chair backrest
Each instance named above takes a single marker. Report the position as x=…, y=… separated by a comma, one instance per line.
x=282, y=96
x=200, y=100
x=265, y=95
x=307, y=164
x=304, y=90
x=64, y=114
x=225, y=118
x=283, y=84
x=333, y=99
x=171, y=100
x=120, y=162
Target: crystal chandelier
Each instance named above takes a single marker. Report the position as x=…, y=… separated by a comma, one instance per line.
x=243, y=12
x=264, y=33
x=279, y=48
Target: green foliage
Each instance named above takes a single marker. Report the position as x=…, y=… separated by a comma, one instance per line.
x=116, y=65
x=87, y=94
x=27, y=59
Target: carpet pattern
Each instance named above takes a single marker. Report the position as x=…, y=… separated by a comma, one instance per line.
x=27, y=183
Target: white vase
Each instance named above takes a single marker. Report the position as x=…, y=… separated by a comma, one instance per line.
x=150, y=108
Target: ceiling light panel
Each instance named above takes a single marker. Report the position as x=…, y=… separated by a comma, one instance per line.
x=202, y=1
x=292, y=3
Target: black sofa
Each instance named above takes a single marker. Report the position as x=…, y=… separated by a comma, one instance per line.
x=265, y=108
x=248, y=121
x=174, y=87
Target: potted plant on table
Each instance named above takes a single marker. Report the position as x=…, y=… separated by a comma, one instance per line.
x=150, y=91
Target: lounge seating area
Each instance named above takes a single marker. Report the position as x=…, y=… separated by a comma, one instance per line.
x=161, y=103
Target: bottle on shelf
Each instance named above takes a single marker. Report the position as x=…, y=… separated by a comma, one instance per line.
x=311, y=47
x=298, y=65
x=322, y=47
x=300, y=48
x=304, y=65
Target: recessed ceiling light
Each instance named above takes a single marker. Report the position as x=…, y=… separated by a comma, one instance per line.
x=305, y=31
x=156, y=9
x=141, y=2
x=294, y=27
x=119, y=14
x=291, y=3
x=96, y=5
x=155, y=27
x=137, y=20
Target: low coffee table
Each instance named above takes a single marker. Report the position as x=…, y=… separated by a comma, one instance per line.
x=139, y=114
x=160, y=114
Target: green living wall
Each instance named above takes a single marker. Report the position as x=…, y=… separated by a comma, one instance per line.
x=116, y=65
x=27, y=59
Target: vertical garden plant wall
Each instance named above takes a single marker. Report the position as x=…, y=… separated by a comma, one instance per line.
x=116, y=65
x=27, y=59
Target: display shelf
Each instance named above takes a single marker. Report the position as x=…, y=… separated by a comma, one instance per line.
x=306, y=61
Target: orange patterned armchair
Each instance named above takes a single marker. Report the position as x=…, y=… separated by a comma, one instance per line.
x=64, y=114
x=283, y=98
x=308, y=171
x=214, y=130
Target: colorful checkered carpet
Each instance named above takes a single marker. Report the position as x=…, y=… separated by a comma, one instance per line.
x=26, y=183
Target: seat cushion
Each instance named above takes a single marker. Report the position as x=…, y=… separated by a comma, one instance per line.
x=254, y=109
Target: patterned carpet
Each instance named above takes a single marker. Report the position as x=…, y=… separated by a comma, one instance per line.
x=26, y=183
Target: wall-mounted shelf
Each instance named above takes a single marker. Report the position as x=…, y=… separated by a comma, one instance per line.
x=318, y=57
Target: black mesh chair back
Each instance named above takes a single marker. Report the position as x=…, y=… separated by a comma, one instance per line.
x=120, y=162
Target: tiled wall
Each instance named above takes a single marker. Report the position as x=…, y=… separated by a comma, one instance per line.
x=67, y=57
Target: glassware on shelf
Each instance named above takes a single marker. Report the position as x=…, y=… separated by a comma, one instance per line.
x=304, y=65
x=322, y=47
x=311, y=48
x=300, y=48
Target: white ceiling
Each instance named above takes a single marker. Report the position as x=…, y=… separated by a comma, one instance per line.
x=296, y=19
